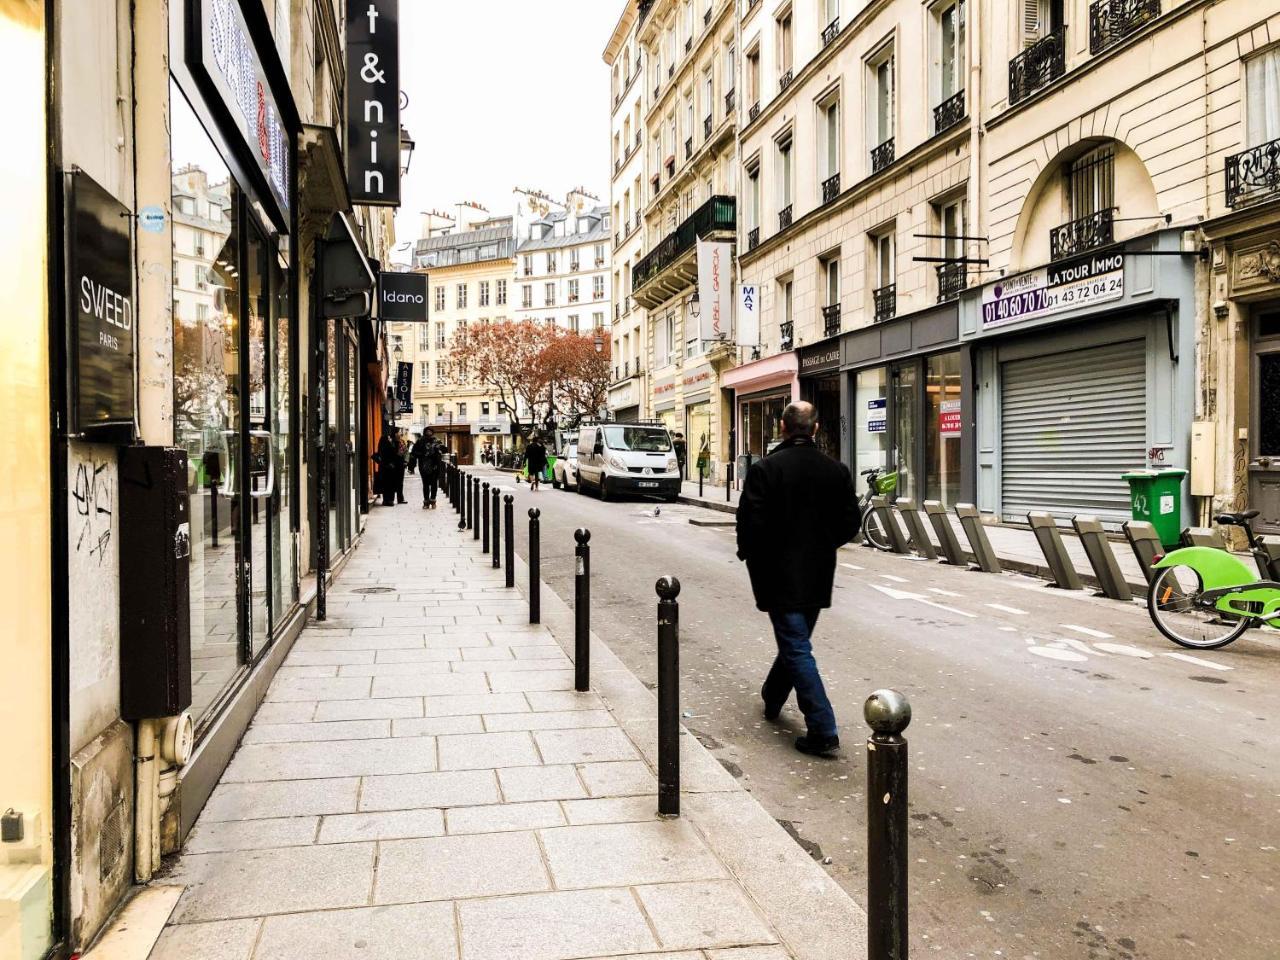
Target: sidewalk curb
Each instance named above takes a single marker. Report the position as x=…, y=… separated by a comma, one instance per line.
x=812, y=915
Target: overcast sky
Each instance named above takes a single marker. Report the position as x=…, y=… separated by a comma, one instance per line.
x=503, y=93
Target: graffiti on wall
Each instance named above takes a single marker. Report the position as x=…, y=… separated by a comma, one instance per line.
x=93, y=496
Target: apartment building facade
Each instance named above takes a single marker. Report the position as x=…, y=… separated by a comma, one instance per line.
x=628, y=393
x=689, y=51
x=470, y=280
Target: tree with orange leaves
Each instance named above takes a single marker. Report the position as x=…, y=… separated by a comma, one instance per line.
x=508, y=358
x=579, y=374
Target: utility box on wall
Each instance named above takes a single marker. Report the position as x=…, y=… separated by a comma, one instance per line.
x=155, y=583
x=1203, y=451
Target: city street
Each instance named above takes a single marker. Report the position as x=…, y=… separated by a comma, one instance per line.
x=1079, y=786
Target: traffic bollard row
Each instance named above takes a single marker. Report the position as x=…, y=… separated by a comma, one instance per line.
x=497, y=525
x=535, y=566
x=887, y=712
x=582, y=612
x=668, y=697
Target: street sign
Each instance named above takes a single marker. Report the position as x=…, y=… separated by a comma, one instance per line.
x=373, y=102
x=402, y=297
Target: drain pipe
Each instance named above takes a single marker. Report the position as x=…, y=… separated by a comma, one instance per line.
x=146, y=831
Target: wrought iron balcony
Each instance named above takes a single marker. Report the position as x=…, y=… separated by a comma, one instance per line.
x=1038, y=65
x=657, y=89
x=706, y=17
x=753, y=238
x=671, y=166
x=830, y=32
x=706, y=128
x=636, y=226
x=784, y=81
x=617, y=165
x=754, y=111
x=1253, y=175
x=671, y=70
x=831, y=320
x=949, y=112
x=688, y=148
x=688, y=44
x=886, y=302
x=729, y=102
x=830, y=188
x=752, y=4
x=784, y=217
x=716, y=215
x=882, y=156
x=645, y=7
x=1079, y=236
x=786, y=333
x=1110, y=21
x=953, y=278
x=637, y=139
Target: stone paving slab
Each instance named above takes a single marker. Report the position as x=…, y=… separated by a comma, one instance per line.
x=422, y=780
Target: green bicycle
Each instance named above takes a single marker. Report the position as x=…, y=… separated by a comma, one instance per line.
x=1204, y=598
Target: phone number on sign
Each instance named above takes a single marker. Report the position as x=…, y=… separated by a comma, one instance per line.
x=1038, y=301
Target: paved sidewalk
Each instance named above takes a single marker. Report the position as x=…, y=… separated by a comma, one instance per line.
x=422, y=781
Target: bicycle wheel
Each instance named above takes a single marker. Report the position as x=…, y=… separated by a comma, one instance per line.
x=1171, y=603
x=873, y=531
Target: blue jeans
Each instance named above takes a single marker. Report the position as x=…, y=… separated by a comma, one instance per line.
x=795, y=668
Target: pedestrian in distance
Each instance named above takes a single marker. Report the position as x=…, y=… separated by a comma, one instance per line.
x=798, y=507
x=390, y=463
x=682, y=451
x=535, y=458
x=429, y=457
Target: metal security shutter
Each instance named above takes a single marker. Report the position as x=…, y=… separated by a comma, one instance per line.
x=1071, y=424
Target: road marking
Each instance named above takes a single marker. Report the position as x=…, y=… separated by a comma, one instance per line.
x=1053, y=653
x=1096, y=634
x=1187, y=658
x=945, y=593
x=1124, y=650
x=892, y=579
x=1002, y=607
x=919, y=598
x=851, y=566
x=1078, y=645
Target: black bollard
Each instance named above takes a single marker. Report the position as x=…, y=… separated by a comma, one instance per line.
x=668, y=697
x=484, y=514
x=701, y=473
x=887, y=713
x=475, y=509
x=582, y=612
x=535, y=567
x=497, y=526
x=509, y=512
x=464, y=483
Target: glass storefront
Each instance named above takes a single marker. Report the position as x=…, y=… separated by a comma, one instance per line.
x=232, y=347
x=697, y=433
x=824, y=394
x=870, y=420
x=904, y=411
x=762, y=423
x=942, y=428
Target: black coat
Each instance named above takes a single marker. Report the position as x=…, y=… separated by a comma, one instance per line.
x=798, y=506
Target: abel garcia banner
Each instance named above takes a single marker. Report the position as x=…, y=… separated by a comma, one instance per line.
x=715, y=289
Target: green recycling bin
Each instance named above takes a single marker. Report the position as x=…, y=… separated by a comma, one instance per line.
x=1156, y=497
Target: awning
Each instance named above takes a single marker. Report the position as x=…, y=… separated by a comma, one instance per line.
x=348, y=279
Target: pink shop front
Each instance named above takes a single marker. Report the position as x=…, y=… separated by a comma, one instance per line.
x=761, y=390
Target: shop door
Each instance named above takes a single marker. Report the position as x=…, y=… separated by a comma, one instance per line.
x=260, y=472
x=1070, y=425
x=697, y=435
x=905, y=438
x=351, y=410
x=1264, y=466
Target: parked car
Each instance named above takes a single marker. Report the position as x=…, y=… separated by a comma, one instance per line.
x=564, y=474
x=618, y=458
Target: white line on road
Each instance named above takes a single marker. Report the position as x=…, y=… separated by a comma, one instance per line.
x=945, y=593
x=1096, y=634
x=1002, y=607
x=919, y=598
x=942, y=606
x=1124, y=650
x=892, y=579
x=850, y=566
x=1187, y=658
x=1079, y=645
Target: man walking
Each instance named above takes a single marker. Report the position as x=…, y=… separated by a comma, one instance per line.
x=798, y=507
x=430, y=460
x=535, y=458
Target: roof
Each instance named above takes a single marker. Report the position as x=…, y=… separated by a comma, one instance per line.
x=465, y=247
x=597, y=234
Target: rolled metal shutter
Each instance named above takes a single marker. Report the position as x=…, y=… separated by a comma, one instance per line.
x=1071, y=424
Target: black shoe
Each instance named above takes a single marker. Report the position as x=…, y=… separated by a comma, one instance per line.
x=770, y=713
x=817, y=746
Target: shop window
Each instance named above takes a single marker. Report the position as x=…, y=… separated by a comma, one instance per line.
x=942, y=428
x=871, y=421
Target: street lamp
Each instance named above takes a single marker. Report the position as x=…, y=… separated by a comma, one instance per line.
x=399, y=352
x=695, y=305
x=406, y=151
x=599, y=341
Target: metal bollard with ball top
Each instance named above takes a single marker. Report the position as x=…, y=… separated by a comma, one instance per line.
x=888, y=713
x=582, y=611
x=668, y=589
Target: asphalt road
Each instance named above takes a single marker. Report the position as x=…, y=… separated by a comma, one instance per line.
x=1080, y=788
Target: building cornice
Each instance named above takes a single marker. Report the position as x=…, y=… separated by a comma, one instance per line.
x=621, y=30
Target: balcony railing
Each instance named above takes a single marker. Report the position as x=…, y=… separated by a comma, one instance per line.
x=688, y=148
x=882, y=156
x=528, y=270
x=637, y=139
x=575, y=266
x=1038, y=65
x=886, y=301
x=754, y=111
x=1110, y=21
x=786, y=335
x=706, y=17
x=706, y=128
x=729, y=102
x=784, y=81
x=717, y=214
x=830, y=188
x=949, y=112
x=1079, y=236
x=636, y=225
x=753, y=238
x=688, y=44
x=617, y=166
x=830, y=32
x=645, y=7
x=1253, y=175
x=831, y=320
x=953, y=278
x=784, y=217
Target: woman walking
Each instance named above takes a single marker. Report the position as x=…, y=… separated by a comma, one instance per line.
x=536, y=461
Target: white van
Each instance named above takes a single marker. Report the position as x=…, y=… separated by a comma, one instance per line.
x=618, y=458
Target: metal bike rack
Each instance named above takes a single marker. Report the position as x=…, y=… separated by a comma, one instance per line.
x=984, y=557
x=1098, y=549
x=916, y=528
x=1055, y=553
x=946, y=534
x=1146, y=544
x=1203, y=537
x=889, y=523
